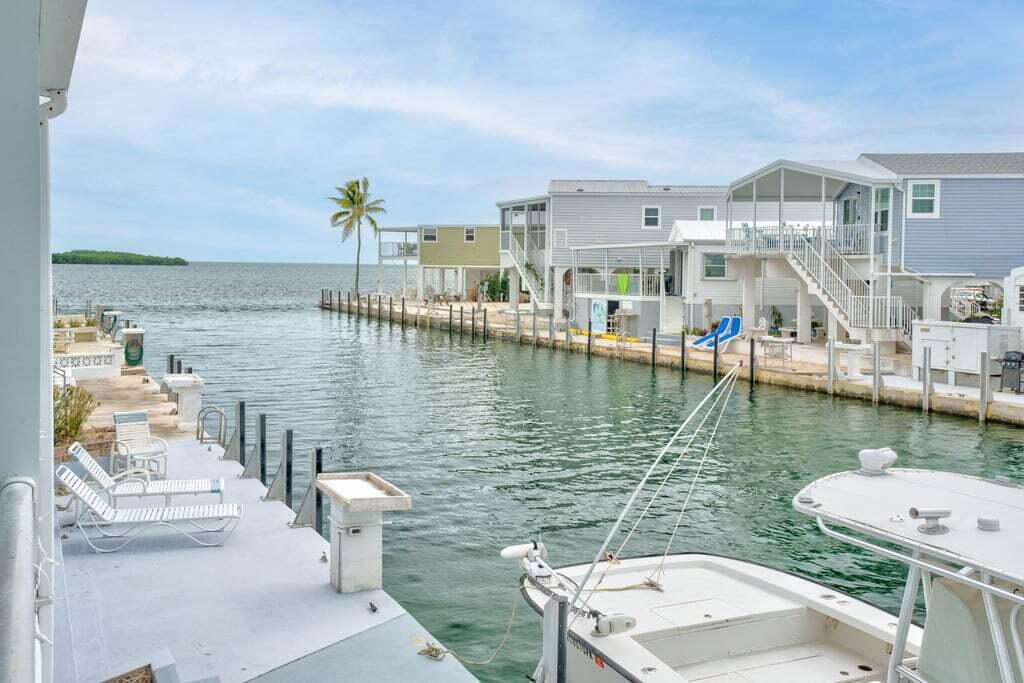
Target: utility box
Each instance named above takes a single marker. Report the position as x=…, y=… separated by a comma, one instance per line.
x=956, y=348
x=358, y=503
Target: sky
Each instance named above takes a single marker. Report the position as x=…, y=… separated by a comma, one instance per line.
x=217, y=131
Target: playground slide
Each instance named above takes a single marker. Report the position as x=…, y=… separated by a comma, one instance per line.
x=710, y=336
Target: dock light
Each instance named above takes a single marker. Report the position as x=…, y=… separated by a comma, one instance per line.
x=931, y=517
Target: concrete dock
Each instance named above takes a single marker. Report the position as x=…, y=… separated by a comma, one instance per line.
x=799, y=374
x=258, y=607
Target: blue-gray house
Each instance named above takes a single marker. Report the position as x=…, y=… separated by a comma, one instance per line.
x=895, y=233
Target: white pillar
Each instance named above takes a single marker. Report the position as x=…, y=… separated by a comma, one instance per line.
x=420, y=277
x=782, y=195
x=442, y=280
x=803, y=312
x=748, y=279
x=513, y=288
x=461, y=276
x=559, y=296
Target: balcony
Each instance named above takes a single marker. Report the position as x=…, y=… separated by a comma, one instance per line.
x=619, y=284
x=399, y=250
x=853, y=239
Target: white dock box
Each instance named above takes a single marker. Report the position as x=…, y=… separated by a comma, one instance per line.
x=956, y=348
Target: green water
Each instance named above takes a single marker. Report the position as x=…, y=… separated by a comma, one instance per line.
x=499, y=443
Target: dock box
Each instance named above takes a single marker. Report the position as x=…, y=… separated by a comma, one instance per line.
x=956, y=348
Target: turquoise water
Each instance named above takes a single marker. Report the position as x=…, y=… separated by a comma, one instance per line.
x=499, y=443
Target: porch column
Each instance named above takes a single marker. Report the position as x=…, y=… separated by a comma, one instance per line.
x=803, y=312
x=460, y=274
x=559, y=295
x=442, y=282
x=513, y=289
x=420, y=280
x=888, y=247
x=661, y=289
x=823, y=214
x=782, y=195
x=871, y=251
x=749, y=270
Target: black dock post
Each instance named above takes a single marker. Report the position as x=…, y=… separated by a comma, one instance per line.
x=449, y=321
x=348, y=302
x=261, y=435
x=403, y=311
x=170, y=364
x=462, y=322
x=391, y=308
x=287, y=455
x=318, y=508
x=714, y=362
x=753, y=369
x=682, y=353
x=177, y=366
x=590, y=335
x=240, y=427
x=472, y=324
x=485, y=325
x=654, y=347
x=379, y=297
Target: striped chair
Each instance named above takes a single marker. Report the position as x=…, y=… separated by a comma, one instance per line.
x=136, y=445
x=99, y=517
x=137, y=483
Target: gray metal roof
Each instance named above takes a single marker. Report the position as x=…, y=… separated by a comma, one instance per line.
x=629, y=187
x=986, y=163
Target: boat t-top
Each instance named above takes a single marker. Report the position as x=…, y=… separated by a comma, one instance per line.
x=689, y=617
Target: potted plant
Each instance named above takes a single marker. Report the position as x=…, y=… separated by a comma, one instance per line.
x=72, y=406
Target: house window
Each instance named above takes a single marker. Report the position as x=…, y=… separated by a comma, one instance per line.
x=562, y=238
x=429, y=234
x=851, y=210
x=707, y=213
x=924, y=199
x=1020, y=299
x=714, y=265
x=469, y=234
x=882, y=208
x=651, y=218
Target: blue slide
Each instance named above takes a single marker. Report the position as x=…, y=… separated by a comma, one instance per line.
x=728, y=329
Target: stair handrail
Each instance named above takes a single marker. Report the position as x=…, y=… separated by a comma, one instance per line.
x=519, y=257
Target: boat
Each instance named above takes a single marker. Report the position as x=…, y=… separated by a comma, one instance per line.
x=689, y=617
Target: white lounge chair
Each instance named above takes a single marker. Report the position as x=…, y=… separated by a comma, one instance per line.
x=98, y=514
x=136, y=482
x=139, y=448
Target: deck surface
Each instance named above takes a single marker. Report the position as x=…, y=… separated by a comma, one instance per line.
x=261, y=602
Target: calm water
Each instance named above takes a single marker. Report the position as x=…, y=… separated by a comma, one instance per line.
x=499, y=443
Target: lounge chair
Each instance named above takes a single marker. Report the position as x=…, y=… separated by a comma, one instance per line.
x=133, y=441
x=733, y=331
x=136, y=482
x=98, y=514
x=703, y=341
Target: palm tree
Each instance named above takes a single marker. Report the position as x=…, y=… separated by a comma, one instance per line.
x=355, y=207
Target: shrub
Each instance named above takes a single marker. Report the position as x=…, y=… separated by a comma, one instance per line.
x=71, y=408
x=59, y=324
x=74, y=322
x=496, y=286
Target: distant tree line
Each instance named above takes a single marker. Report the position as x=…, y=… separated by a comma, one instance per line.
x=116, y=258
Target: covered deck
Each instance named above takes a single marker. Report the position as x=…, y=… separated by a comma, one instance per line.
x=397, y=245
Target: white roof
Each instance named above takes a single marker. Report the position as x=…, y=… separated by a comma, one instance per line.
x=630, y=187
x=879, y=506
x=698, y=231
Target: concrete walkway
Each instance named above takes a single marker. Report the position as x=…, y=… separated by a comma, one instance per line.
x=260, y=605
x=130, y=392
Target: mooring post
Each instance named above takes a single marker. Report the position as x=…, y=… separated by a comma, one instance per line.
x=830, y=351
x=261, y=434
x=286, y=448
x=391, y=308
x=318, y=510
x=170, y=364
x=518, y=333
x=462, y=322
x=984, y=389
x=177, y=366
x=379, y=297
x=403, y=312
x=551, y=329
x=926, y=379
x=330, y=300
x=753, y=360
x=485, y=325
x=590, y=335
x=472, y=324
x=338, y=299
x=534, y=327
x=240, y=430
x=876, y=372
x=714, y=362
x=654, y=347
x=682, y=353
x=188, y=370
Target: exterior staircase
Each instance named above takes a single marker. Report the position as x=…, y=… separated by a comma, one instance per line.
x=528, y=272
x=814, y=256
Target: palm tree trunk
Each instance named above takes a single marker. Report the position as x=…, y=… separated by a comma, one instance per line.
x=359, y=249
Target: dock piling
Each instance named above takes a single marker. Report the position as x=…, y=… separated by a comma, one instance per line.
x=462, y=322
x=926, y=380
x=753, y=360
x=534, y=327
x=348, y=302
x=403, y=311
x=682, y=353
x=177, y=366
x=485, y=325
x=551, y=329
x=391, y=309
x=714, y=363
x=518, y=333
x=876, y=371
x=590, y=335
x=170, y=364
x=984, y=387
x=379, y=297
x=472, y=324
x=830, y=351
x=449, y=321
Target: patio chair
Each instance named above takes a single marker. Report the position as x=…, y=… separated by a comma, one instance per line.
x=136, y=482
x=133, y=441
x=98, y=514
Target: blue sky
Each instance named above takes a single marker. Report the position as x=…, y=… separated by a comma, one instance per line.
x=216, y=130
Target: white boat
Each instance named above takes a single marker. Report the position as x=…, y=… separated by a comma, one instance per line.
x=696, y=617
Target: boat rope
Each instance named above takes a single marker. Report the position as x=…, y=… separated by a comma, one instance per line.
x=717, y=391
x=657, y=575
x=434, y=650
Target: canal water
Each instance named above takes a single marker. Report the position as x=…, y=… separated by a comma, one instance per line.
x=499, y=444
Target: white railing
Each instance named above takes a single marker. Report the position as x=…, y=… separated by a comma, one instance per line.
x=622, y=284
x=853, y=238
x=963, y=305
x=883, y=312
x=398, y=249
x=18, y=607
x=518, y=254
